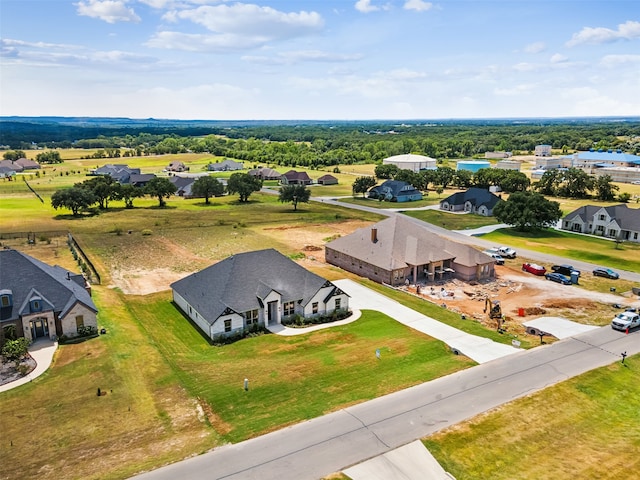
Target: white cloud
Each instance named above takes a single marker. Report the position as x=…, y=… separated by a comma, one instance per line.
x=535, y=47
x=295, y=57
x=523, y=89
x=558, y=58
x=626, y=31
x=204, y=43
x=247, y=19
x=615, y=60
x=365, y=6
x=418, y=5
x=235, y=27
x=111, y=11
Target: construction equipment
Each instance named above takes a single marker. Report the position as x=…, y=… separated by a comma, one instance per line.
x=495, y=311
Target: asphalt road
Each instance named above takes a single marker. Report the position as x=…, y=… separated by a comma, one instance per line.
x=316, y=448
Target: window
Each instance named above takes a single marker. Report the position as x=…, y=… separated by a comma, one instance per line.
x=314, y=307
x=227, y=325
x=635, y=235
x=79, y=321
x=251, y=316
x=4, y=300
x=338, y=303
x=289, y=308
x=601, y=217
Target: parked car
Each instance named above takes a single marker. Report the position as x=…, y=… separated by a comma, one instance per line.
x=558, y=277
x=534, y=268
x=625, y=320
x=507, y=252
x=564, y=269
x=605, y=272
x=496, y=256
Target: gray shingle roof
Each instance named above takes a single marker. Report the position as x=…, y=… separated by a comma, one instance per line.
x=25, y=276
x=401, y=242
x=477, y=196
x=240, y=282
x=627, y=218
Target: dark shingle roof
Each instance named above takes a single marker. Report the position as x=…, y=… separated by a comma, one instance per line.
x=477, y=196
x=240, y=282
x=396, y=187
x=25, y=276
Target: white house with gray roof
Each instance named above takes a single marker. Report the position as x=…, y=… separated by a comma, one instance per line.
x=38, y=300
x=616, y=221
x=254, y=288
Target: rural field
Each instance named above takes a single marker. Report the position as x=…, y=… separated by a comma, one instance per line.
x=170, y=394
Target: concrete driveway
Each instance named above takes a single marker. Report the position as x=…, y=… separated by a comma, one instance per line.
x=477, y=348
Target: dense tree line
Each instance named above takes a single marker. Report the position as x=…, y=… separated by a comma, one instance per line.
x=324, y=143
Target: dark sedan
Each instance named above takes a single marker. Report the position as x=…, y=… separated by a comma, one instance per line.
x=558, y=277
x=605, y=272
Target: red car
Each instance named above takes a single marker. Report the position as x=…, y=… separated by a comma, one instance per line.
x=533, y=268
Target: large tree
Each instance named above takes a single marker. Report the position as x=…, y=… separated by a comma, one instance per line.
x=74, y=198
x=528, y=211
x=128, y=193
x=362, y=185
x=161, y=188
x=294, y=194
x=207, y=187
x=386, y=171
x=103, y=187
x=444, y=176
x=576, y=183
x=243, y=184
x=52, y=156
x=515, y=181
x=604, y=189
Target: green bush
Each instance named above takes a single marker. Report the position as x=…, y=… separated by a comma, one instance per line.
x=15, y=349
x=146, y=232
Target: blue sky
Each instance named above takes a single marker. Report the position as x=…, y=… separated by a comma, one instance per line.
x=324, y=59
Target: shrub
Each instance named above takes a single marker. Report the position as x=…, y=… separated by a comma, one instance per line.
x=15, y=349
x=146, y=232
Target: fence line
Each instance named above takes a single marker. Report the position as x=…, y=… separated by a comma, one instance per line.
x=93, y=272
x=34, y=192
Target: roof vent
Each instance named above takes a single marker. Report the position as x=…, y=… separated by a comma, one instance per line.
x=374, y=235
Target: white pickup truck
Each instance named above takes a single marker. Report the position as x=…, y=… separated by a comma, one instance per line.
x=506, y=252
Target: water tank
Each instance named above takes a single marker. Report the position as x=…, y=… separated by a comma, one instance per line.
x=472, y=165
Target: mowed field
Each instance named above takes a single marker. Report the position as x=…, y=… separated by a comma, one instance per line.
x=169, y=394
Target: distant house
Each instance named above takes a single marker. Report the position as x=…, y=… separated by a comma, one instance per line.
x=254, y=288
x=12, y=165
x=27, y=164
x=395, y=191
x=327, y=180
x=295, y=178
x=397, y=250
x=177, y=166
x=474, y=200
x=7, y=172
x=616, y=221
x=38, y=300
x=119, y=172
x=183, y=185
x=264, y=173
x=225, y=166
x=140, y=179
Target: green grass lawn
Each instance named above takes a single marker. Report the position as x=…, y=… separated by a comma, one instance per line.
x=585, y=427
x=452, y=221
x=579, y=247
x=369, y=202
x=291, y=378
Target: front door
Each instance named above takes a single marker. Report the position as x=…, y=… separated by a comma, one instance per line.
x=272, y=312
x=39, y=328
